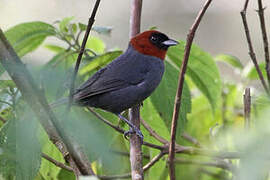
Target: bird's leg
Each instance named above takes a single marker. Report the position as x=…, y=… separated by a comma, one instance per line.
x=133, y=128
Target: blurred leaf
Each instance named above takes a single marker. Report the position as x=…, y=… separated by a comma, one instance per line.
x=54, y=48
x=252, y=73
x=63, y=25
x=99, y=61
x=151, y=116
x=201, y=69
x=8, y=149
x=95, y=44
x=102, y=30
x=163, y=98
x=2, y=70
x=26, y=37
x=19, y=139
x=91, y=134
x=73, y=28
x=66, y=175
x=231, y=60
x=82, y=26
x=7, y=84
x=47, y=169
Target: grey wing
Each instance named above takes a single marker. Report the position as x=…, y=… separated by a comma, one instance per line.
x=108, y=79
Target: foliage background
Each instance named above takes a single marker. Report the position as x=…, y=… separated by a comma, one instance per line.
x=213, y=98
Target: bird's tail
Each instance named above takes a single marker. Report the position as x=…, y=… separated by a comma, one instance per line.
x=59, y=102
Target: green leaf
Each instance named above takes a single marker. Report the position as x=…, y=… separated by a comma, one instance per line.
x=54, y=48
x=26, y=37
x=201, y=69
x=63, y=25
x=19, y=139
x=7, y=84
x=96, y=45
x=231, y=60
x=48, y=170
x=73, y=28
x=82, y=27
x=163, y=98
x=252, y=73
x=99, y=61
x=2, y=70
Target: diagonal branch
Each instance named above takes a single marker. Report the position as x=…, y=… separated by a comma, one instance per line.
x=37, y=101
x=250, y=46
x=177, y=102
x=57, y=163
x=265, y=40
x=79, y=58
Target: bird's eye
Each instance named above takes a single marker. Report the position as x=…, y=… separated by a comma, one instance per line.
x=153, y=38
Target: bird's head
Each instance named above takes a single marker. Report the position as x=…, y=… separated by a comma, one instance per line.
x=153, y=43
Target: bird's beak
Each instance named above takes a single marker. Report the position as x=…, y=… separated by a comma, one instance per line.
x=170, y=42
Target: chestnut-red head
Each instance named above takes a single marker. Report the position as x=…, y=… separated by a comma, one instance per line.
x=153, y=43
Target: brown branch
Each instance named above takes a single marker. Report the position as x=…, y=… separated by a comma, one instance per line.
x=191, y=139
x=79, y=58
x=177, y=103
x=250, y=46
x=37, y=101
x=247, y=105
x=265, y=40
x=128, y=175
x=106, y=121
x=57, y=163
x=134, y=113
x=153, y=133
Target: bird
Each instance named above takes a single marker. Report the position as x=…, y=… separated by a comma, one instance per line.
x=129, y=79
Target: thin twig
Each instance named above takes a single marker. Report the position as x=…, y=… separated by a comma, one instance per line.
x=191, y=139
x=134, y=113
x=79, y=58
x=7, y=103
x=106, y=121
x=250, y=46
x=265, y=40
x=153, y=133
x=247, y=105
x=177, y=103
x=57, y=163
x=218, y=164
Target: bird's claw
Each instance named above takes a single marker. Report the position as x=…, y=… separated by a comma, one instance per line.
x=132, y=131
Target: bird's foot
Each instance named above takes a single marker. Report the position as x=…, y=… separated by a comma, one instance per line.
x=136, y=131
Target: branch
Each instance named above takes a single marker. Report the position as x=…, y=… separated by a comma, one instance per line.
x=134, y=113
x=218, y=164
x=247, y=105
x=178, y=148
x=79, y=58
x=153, y=133
x=177, y=103
x=191, y=139
x=57, y=163
x=37, y=101
x=250, y=46
x=128, y=175
x=265, y=40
